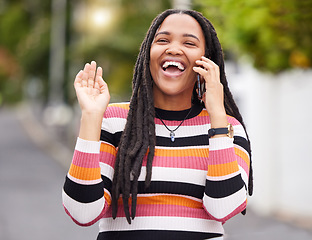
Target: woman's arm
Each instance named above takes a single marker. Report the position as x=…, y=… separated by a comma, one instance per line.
x=227, y=176
x=84, y=196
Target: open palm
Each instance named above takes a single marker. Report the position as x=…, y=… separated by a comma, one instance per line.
x=91, y=90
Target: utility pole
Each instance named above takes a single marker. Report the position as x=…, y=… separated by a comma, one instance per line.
x=57, y=52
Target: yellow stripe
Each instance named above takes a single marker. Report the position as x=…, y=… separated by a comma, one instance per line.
x=87, y=174
x=222, y=169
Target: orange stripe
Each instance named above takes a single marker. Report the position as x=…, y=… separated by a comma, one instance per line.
x=203, y=113
x=120, y=105
x=191, y=152
x=107, y=197
x=108, y=148
x=242, y=155
x=166, y=200
x=85, y=173
x=222, y=169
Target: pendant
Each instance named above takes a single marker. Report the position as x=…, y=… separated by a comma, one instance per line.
x=172, y=136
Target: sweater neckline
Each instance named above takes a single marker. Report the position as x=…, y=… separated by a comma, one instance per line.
x=178, y=115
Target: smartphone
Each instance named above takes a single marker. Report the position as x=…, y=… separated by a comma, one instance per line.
x=200, y=87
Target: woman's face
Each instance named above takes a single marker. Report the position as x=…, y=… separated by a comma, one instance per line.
x=177, y=44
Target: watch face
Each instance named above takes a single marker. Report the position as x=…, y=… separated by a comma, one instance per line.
x=231, y=131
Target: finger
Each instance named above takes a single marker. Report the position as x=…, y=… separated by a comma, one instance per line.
x=84, y=81
x=98, y=77
x=91, y=74
x=212, y=66
x=78, y=79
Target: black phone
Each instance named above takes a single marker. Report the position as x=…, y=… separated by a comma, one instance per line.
x=200, y=87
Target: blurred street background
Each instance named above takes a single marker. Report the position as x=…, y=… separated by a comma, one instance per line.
x=43, y=44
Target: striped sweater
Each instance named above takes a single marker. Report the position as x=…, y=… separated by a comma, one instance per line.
x=197, y=183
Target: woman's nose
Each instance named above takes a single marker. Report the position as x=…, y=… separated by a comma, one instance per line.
x=174, y=51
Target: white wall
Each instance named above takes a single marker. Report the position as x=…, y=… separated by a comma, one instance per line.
x=278, y=114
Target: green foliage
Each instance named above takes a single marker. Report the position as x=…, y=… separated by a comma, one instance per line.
x=24, y=45
x=277, y=35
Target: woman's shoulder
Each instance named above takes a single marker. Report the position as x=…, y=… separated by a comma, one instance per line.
x=117, y=110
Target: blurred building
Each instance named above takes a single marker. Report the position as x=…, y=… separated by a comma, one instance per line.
x=277, y=113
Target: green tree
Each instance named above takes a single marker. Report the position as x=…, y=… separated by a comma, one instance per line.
x=24, y=45
x=277, y=35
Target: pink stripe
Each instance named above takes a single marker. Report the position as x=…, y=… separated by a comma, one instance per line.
x=222, y=156
x=199, y=163
x=107, y=158
x=116, y=112
x=106, y=207
x=197, y=121
x=238, y=210
x=243, y=164
x=86, y=160
x=146, y=210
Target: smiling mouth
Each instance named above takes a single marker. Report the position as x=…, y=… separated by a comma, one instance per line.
x=173, y=67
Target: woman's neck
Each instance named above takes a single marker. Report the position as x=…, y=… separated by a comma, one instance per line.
x=172, y=103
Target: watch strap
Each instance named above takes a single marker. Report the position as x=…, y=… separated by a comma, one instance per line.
x=217, y=131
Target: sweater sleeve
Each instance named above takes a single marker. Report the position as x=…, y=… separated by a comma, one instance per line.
x=86, y=193
x=227, y=176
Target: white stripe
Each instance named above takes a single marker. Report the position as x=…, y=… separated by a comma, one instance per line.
x=182, y=148
x=243, y=175
x=107, y=170
x=113, y=125
x=222, y=207
x=221, y=178
x=84, y=182
x=83, y=212
x=220, y=143
x=182, y=131
x=239, y=131
x=87, y=146
x=161, y=223
x=185, y=175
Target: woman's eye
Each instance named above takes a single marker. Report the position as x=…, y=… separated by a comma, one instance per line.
x=190, y=43
x=162, y=40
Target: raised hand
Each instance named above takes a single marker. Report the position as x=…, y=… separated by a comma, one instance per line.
x=91, y=90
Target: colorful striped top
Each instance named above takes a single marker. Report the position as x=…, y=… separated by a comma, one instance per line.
x=197, y=183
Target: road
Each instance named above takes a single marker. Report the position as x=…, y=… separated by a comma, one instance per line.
x=31, y=181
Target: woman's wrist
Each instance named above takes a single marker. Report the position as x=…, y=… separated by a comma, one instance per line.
x=218, y=119
x=90, y=126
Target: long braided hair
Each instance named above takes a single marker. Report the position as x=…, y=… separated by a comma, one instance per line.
x=138, y=137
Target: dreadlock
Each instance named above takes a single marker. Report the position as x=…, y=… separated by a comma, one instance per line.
x=138, y=137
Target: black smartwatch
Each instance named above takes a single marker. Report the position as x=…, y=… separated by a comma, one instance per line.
x=216, y=131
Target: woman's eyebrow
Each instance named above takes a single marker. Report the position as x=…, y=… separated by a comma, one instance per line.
x=184, y=35
x=163, y=32
x=191, y=35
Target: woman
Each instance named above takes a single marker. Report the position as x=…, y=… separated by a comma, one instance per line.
x=141, y=170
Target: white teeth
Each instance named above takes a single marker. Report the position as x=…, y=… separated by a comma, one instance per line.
x=176, y=64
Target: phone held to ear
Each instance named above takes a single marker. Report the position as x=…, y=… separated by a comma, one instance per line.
x=200, y=88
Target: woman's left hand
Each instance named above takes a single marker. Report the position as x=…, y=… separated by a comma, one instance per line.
x=213, y=97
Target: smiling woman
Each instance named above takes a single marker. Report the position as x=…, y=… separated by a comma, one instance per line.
x=169, y=164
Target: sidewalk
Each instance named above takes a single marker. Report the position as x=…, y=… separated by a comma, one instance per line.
x=32, y=172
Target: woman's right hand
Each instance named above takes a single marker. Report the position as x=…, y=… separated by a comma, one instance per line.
x=91, y=90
